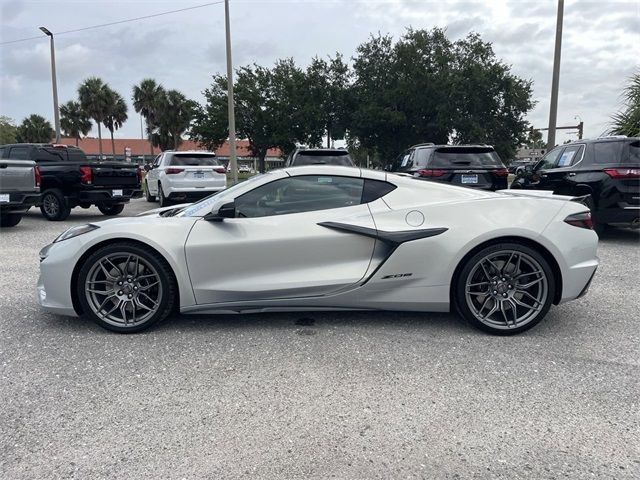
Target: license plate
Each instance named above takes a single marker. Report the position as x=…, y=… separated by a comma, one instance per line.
x=116, y=193
x=198, y=174
x=469, y=178
x=4, y=198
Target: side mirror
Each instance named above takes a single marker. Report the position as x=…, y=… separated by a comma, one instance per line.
x=147, y=167
x=228, y=210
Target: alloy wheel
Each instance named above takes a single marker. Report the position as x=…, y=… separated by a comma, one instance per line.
x=51, y=205
x=506, y=289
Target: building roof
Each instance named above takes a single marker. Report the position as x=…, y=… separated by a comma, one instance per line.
x=139, y=146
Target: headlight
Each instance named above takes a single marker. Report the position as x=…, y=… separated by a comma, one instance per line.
x=75, y=231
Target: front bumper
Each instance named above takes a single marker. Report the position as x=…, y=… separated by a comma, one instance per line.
x=191, y=194
x=53, y=291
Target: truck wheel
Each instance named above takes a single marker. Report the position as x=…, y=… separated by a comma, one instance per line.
x=111, y=210
x=164, y=201
x=10, y=219
x=150, y=198
x=54, y=207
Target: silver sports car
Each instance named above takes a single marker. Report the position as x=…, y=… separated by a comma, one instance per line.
x=322, y=238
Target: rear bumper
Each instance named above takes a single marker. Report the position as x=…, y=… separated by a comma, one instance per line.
x=20, y=201
x=623, y=215
x=104, y=196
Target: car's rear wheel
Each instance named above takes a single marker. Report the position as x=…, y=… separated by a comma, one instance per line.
x=505, y=288
x=126, y=287
x=54, y=206
x=150, y=198
x=111, y=210
x=164, y=201
x=10, y=219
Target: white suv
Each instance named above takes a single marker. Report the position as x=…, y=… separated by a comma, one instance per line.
x=184, y=176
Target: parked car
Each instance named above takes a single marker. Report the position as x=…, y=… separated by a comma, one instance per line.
x=518, y=167
x=244, y=169
x=319, y=156
x=476, y=166
x=69, y=180
x=607, y=169
x=184, y=176
x=328, y=237
x=19, y=189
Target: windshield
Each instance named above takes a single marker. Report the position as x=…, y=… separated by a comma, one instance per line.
x=465, y=157
x=323, y=158
x=194, y=160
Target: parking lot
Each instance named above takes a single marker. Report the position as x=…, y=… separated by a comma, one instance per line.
x=317, y=395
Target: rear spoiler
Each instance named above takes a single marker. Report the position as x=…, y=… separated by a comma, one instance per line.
x=583, y=199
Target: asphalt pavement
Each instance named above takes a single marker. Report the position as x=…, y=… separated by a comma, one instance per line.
x=318, y=395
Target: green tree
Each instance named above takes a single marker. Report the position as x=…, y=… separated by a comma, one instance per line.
x=173, y=113
x=35, y=129
x=74, y=120
x=627, y=121
x=116, y=115
x=8, y=130
x=146, y=98
x=327, y=100
x=534, y=140
x=95, y=99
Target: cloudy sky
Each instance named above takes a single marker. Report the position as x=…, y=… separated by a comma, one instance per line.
x=601, y=45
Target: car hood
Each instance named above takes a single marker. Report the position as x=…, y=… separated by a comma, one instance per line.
x=158, y=211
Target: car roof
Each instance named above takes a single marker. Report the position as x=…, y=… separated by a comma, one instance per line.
x=181, y=152
x=323, y=150
x=462, y=145
x=612, y=138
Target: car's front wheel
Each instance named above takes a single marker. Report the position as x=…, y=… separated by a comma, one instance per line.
x=150, y=198
x=505, y=288
x=164, y=201
x=126, y=287
x=111, y=210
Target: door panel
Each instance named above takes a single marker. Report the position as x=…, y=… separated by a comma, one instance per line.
x=281, y=256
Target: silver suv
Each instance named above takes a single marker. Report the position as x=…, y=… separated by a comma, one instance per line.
x=184, y=176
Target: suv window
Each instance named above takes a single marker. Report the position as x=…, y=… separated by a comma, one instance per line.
x=322, y=157
x=632, y=156
x=300, y=194
x=156, y=161
x=19, y=153
x=465, y=157
x=402, y=162
x=608, y=152
x=194, y=160
x=570, y=155
x=549, y=160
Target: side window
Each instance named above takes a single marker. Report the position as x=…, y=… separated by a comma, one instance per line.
x=2, y=149
x=156, y=162
x=374, y=189
x=300, y=194
x=570, y=155
x=607, y=152
x=19, y=153
x=632, y=155
x=550, y=159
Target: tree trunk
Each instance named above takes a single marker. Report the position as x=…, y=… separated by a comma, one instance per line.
x=261, y=161
x=100, y=139
x=149, y=135
x=113, y=145
x=77, y=141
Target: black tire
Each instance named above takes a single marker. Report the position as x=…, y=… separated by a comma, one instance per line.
x=111, y=210
x=150, y=198
x=53, y=205
x=10, y=219
x=464, y=302
x=164, y=201
x=166, y=302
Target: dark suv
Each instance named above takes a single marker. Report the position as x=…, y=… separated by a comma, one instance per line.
x=319, y=156
x=477, y=166
x=606, y=168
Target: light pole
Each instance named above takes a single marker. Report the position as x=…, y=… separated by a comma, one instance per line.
x=56, y=112
x=233, y=161
x=555, y=81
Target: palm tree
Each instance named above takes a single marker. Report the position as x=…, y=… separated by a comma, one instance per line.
x=145, y=100
x=95, y=98
x=116, y=116
x=174, y=113
x=35, y=129
x=627, y=121
x=74, y=120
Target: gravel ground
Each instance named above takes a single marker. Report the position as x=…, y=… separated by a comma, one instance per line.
x=341, y=395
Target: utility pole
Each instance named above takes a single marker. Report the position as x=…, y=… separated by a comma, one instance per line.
x=555, y=81
x=233, y=160
x=56, y=111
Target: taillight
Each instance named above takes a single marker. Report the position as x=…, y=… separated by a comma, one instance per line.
x=86, y=175
x=582, y=220
x=173, y=171
x=36, y=173
x=501, y=172
x=430, y=172
x=139, y=172
x=623, y=172
x=220, y=170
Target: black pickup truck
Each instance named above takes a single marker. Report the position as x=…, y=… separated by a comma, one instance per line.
x=69, y=180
